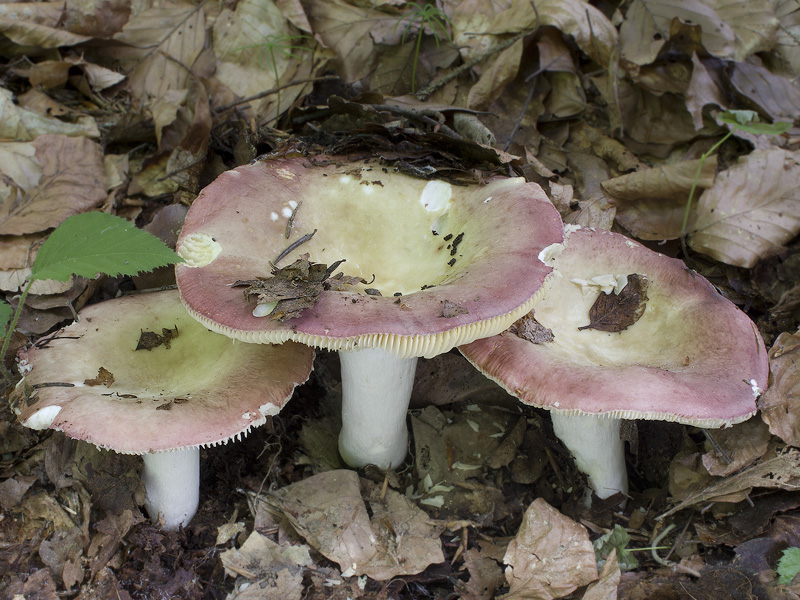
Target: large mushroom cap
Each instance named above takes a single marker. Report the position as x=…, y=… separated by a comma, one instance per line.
x=197, y=389
x=464, y=258
x=691, y=357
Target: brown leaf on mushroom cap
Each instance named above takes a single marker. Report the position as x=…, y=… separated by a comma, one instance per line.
x=617, y=312
x=528, y=328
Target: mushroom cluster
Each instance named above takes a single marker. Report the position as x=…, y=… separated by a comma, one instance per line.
x=625, y=333
x=425, y=266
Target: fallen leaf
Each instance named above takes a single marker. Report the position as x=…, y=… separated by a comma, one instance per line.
x=646, y=28
x=528, y=328
x=742, y=444
x=751, y=210
x=485, y=575
x=775, y=95
x=72, y=181
x=779, y=406
x=781, y=471
x=23, y=125
x=550, y=557
x=617, y=312
x=605, y=588
x=159, y=47
x=104, y=377
x=329, y=512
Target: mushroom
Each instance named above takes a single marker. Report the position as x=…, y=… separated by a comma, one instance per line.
x=625, y=333
x=428, y=266
x=138, y=375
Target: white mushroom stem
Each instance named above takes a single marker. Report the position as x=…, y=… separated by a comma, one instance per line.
x=172, y=481
x=597, y=448
x=376, y=390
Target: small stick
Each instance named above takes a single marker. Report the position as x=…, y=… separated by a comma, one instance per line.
x=294, y=245
x=291, y=219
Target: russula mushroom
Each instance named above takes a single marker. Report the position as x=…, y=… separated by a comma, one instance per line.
x=669, y=348
x=436, y=265
x=138, y=375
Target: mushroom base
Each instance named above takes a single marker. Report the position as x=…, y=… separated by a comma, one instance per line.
x=172, y=481
x=597, y=448
x=376, y=390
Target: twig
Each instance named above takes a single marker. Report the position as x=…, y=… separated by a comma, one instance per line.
x=294, y=245
x=668, y=563
x=274, y=90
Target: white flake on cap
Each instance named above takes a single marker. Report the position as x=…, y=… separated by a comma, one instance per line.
x=198, y=250
x=42, y=419
x=436, y=196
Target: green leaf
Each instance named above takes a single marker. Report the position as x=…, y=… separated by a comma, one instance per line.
x=747, y=120
x=5, y=316
x=95, y=242
x=616, y=539
x=789, y=565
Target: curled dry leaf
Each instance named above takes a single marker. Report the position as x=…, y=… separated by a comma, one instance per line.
x=23, y=125
x=617, y=312
x=778, y=96
x=780, y=404
x=752, y=209
x=742, y=445
x=550, y=557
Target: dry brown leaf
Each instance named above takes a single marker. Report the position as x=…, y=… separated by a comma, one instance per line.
x=702, y=91
x=780, y=404
x=776, y=95
x=651, y=202
x=752, y=209
x=24, y=125
x=329, y=512
x=743, y=444
x=485, y=575
x=782, y=471
x=754, y=25
x=28, y=33
x=161, y=46
x=647, y=27
x=498, y=73
x=72, y=181
x=786, y=46
x=350, y=32
x=671, y=181
x=550, y=557
x=274, y=571
x=605, y=588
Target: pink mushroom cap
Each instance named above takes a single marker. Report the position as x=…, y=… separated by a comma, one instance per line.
x=464, y=258
x=202, y=390
x=692, y=357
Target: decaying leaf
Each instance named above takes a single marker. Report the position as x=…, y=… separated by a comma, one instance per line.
x=779, y=406
x=617, y=312
x=150, y=339
x=104, y=377
x=296, y=287
x=752, y=209
x=329, y=512
x=528, y=328
x=781, y=471
x=275, y=571
x=550, y=557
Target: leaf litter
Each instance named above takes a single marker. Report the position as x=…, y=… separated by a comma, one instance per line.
x=609, y=108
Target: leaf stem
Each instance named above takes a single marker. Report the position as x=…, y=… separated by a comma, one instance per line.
x=686, y=213
x=10, y=330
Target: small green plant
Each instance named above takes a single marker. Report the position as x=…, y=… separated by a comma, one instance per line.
x=426, y=15
x=286, y=45
x=85, y=245
x=788, y=565
x=617, y=540
x=742, y=120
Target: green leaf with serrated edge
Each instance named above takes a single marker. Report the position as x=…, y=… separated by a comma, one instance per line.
x=747, y=120
x=5, y=316
x=789, y=565
x=95, y=242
